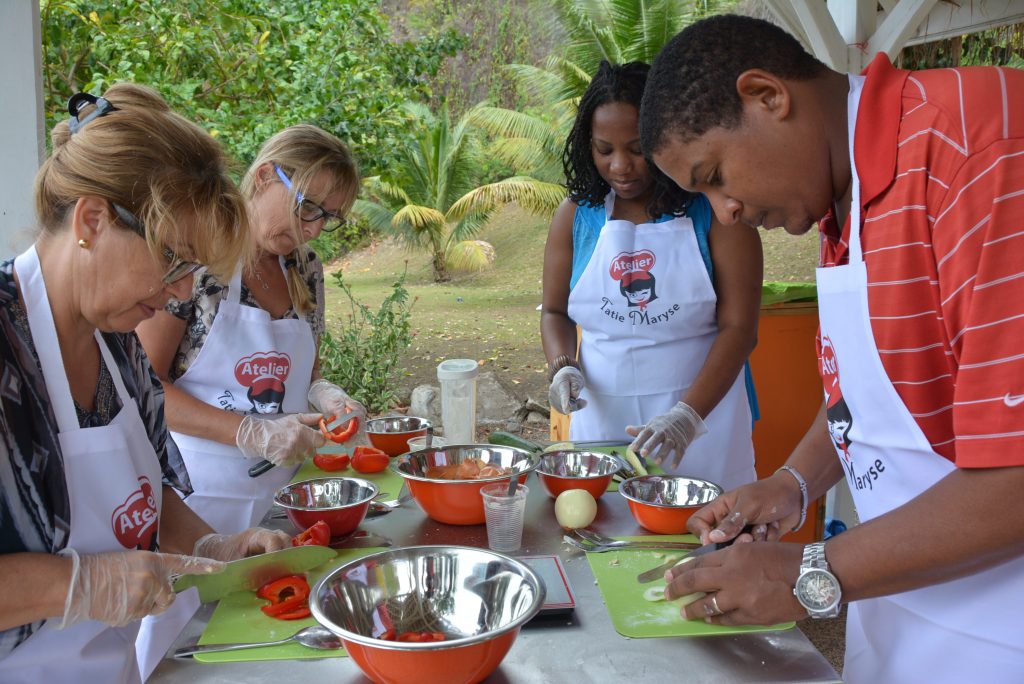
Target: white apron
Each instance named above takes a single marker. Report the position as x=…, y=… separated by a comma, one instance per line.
x=245, y=353
x=965, y=630
x=114, y=487
x=647, y=311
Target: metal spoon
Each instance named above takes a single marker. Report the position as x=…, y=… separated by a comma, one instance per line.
x=310, y=637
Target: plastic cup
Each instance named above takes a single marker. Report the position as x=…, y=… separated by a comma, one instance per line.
x=417, y=443
x=504, y=516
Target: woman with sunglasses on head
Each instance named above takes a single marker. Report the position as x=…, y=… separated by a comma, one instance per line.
x=239, y=355
x=659, y=364
x=131, y=200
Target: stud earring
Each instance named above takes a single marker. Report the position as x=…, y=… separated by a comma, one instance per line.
x=83, y=243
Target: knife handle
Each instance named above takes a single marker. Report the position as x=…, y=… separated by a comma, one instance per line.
x=260, y=468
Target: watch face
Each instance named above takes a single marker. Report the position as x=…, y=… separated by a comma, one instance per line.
x=817, y=590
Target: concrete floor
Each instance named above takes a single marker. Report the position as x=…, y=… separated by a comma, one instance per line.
x=828, y=636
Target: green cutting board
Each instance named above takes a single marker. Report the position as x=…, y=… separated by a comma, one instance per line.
x=633, y=615
x=238, y=619
x=386, y=480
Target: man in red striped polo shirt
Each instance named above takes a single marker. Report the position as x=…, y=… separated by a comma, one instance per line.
x=921, y=308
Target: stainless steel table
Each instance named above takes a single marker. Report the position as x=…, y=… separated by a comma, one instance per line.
x=583, y=647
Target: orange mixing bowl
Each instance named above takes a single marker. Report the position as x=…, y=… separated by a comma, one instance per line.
x=458, y=502
x=341, y=502
x=569, y=469
x=391, y=434
x=663, y=503
x=477, y=599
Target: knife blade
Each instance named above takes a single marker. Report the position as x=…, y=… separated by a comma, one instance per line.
x=341, y=420
x=255, y=571
x=658, y=572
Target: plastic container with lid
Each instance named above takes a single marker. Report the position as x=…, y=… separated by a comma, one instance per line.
x=458, y=399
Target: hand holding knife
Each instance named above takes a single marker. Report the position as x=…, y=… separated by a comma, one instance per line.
x=336, y=425
x=659, y=571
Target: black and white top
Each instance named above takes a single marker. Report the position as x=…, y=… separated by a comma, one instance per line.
x=34, y=506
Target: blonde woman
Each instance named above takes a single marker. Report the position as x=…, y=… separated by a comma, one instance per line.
x=131, y=201
x=239, y=356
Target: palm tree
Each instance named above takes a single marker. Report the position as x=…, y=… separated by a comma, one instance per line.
x=619, y=31
x=431, y=197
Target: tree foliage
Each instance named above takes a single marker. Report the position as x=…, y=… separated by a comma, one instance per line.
x=244, y=69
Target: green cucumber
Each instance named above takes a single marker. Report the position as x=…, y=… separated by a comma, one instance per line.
x=634, y=462
x=507, y=439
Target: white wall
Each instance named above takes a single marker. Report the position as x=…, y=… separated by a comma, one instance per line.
x=22, y=134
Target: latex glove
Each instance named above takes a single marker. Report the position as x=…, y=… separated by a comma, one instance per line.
x=331, y=400
x=669, y=433
x=564, y=392
x=250, y=542
x=120, y=587
x=282, y=441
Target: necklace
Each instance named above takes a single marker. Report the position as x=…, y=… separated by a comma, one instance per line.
x=259, y=277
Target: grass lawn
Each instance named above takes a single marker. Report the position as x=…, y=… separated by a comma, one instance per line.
x=492, y=316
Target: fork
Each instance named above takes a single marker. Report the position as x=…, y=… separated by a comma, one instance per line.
x=618, y=545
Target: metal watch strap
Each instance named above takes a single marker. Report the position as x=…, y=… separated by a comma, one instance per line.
x=814, y=556
x=803, y=494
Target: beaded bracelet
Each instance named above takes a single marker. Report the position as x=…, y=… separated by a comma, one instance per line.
x=561, y=362
x=803, y=493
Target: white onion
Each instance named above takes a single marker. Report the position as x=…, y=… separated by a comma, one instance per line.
x=575, y=508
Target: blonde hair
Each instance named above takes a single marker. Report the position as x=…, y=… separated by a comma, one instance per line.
x=302, y=152
x=156, y=164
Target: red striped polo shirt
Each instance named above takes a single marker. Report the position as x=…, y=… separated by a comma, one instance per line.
x=940, y=155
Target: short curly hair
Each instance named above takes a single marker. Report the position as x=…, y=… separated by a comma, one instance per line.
x=692, y=84
x=613, y=83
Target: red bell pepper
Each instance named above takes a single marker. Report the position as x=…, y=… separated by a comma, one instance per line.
x=332, y=463
x=288, y=596
x=346, y=431
x=367, y=459
x=318, y=534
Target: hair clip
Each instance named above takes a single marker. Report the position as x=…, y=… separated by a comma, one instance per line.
x=78, y=102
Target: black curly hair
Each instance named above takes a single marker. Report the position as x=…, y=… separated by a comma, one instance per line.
x=613, y=83
x=692, y=85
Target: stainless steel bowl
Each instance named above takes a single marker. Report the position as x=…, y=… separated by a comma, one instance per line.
x=325, y=493
x=471, y=595
x=581, y=465
x=670, y=491
x=396, y=424
x=413, y=466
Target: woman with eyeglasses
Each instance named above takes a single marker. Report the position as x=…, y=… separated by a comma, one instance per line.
x=131, y=200
x=239, y=355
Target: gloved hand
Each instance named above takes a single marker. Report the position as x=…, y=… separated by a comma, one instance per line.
x=331, y=400
x=670, y=432
x=564, y=392
x=282, y=441
x=250, y=542
x=120, y=587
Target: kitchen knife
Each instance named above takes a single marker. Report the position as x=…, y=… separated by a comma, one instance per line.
x=264, y=466
x=658, y=572
x=255, y=571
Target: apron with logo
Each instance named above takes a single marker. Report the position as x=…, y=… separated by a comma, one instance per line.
x=965, y=630
x=249, y=363
x=114, y=487
x=647, y=311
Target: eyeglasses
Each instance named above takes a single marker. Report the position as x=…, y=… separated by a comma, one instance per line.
x=179, y=268
x=308, y=210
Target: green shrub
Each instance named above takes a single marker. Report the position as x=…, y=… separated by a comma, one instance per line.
x=363, y=356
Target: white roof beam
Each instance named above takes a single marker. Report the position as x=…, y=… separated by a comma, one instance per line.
x=901, y=23
x=823, y=37
x=948, y=20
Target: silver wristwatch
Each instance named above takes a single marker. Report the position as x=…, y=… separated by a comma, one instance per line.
x=817, y=589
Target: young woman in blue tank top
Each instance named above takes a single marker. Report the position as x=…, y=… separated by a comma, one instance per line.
x=665, y=297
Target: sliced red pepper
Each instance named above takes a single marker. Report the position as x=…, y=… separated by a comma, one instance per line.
x=318, y=534
x=284, y=588
x=367, y=459
x=344, y=433
x=287, y=606
x=388, y=635
x=332, y=463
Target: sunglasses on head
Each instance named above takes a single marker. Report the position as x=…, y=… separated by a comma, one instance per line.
x=178, y=269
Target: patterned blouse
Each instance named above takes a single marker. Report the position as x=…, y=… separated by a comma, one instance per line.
x=207, y=292
x=35, y=514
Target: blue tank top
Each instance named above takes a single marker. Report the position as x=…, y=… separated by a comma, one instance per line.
x=586, y=229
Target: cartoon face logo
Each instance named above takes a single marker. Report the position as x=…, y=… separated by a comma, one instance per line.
x=263, y=375
x=840, y=420
x=633, y=272
x=839, y=423
x=134, y=522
